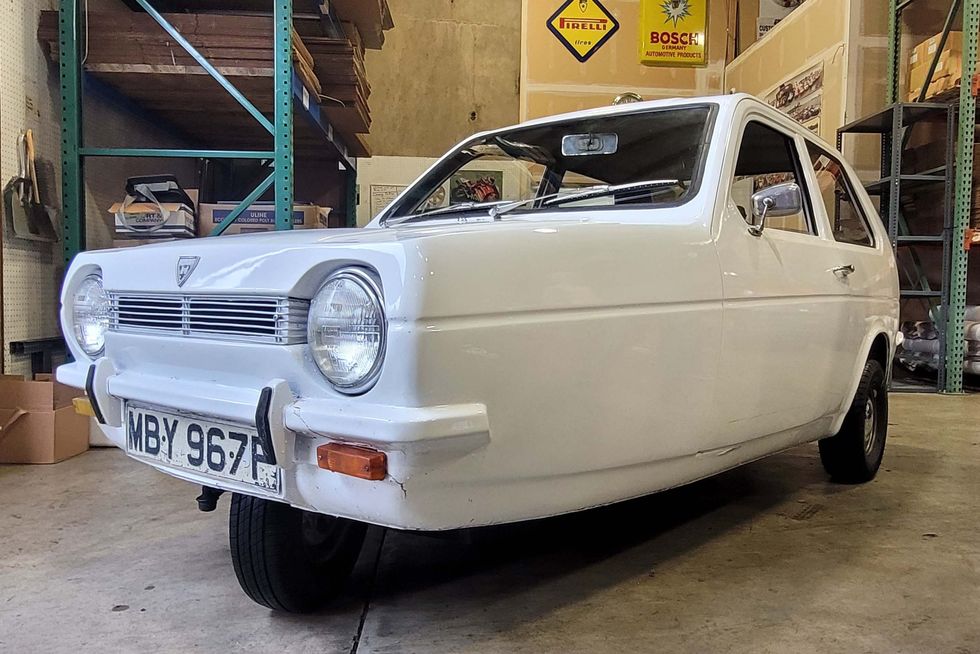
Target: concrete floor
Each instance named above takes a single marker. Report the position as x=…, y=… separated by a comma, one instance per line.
x=99, y=553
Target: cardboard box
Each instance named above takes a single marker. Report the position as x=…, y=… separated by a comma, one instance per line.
x=948, y=70
x=260, y=217
x=181, y=222
x=38, y=423
x=140, y=216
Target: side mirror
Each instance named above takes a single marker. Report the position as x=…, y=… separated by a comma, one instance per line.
x=776, y=201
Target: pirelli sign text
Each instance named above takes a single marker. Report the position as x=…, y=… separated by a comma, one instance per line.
x=582, y=26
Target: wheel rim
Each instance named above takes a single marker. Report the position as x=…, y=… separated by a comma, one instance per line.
x=322, y=535
x=870, y=422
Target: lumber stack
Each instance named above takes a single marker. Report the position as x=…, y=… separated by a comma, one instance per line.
x=303, y=61
x=371, y=17
x=130, y=51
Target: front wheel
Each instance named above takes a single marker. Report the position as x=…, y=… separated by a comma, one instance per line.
x=288, y=559
x=853, y=454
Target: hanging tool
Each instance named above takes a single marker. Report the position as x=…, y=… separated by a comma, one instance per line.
x=25, y=213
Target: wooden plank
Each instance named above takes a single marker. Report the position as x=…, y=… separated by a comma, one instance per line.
x=301, y=51
x=368, y=15
x=181, y=93
x=354, y=36
x=309, y=79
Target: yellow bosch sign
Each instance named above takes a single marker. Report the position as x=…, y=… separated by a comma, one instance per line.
x=674, y=32
x=582, y=26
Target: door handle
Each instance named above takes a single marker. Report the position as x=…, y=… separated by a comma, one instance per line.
x=843, y=271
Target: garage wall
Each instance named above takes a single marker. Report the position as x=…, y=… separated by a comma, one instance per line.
x=380, y=177
x=814, y=33
x=448, y=69
x=30, y=98
x=849, y=38
x=553, y=81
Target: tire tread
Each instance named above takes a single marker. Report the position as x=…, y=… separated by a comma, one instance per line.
x=842, y=454
x=263, y=538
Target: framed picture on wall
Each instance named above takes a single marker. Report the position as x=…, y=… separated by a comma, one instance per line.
x=476, y=186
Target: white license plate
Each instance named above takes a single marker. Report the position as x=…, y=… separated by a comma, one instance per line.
x=222, y=450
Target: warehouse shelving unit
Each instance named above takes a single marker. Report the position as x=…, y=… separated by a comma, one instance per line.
x=893, y=124
x=289, y=98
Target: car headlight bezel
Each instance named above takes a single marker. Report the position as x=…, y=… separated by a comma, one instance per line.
x=77, y=327
x=368, y=284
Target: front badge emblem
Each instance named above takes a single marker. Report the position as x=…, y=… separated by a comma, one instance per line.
x=185, y=266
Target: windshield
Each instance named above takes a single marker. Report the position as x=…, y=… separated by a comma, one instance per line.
x=643, y=158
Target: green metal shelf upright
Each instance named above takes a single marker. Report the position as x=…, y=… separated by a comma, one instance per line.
x=964, y=196
x=286, y=86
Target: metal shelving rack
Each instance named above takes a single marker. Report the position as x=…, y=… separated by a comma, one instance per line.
x=288, y=94
x=957, y=175
x=892, y=124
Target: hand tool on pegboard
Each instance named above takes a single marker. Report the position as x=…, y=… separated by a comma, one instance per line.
x=24, y=211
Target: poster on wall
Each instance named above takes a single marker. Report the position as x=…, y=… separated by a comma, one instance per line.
x=476, y=186
x=801, y=97
x=382, y=195
x=674, y=32
x=582, y=26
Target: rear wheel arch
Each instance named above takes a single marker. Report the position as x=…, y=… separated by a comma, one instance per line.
x=880, y=351
x=877, y=347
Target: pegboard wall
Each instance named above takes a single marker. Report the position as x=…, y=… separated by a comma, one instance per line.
x=30, y=99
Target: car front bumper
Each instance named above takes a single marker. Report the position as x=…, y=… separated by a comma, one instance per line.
x=420, y=443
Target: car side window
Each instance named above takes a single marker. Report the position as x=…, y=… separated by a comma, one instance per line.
x=848, y=222
x=767, y=157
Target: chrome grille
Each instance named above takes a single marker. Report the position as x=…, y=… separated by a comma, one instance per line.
x=234, y=317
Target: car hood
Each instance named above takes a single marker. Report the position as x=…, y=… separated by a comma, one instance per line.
x=476, y=264
x=292, y=263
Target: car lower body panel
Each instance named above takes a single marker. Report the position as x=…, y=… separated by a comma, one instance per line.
x=436, y=477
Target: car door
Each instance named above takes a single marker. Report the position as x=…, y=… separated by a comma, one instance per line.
x=866, y=273
x=785, y=303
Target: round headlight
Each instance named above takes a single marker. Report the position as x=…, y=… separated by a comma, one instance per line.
x=90, y=315
x=346, y=330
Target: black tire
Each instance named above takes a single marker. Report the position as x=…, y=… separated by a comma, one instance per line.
x=288, y=559
x=853, y=455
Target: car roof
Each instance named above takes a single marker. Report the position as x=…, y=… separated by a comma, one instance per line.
x=725, y=102
x=729, y=100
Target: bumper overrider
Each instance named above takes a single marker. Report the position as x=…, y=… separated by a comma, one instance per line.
x=417, y=442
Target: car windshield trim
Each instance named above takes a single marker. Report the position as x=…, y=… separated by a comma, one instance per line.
x=442, y=171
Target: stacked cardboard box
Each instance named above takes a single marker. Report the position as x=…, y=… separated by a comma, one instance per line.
x=946, y=76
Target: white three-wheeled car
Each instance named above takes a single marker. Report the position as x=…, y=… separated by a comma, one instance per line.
x=558, y=315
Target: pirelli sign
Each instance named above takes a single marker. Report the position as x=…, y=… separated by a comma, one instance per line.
x=582, y=26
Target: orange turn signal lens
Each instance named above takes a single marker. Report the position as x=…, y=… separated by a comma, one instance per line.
x=352, y=460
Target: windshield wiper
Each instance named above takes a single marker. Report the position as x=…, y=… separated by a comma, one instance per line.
x=610, y=189
x=588, y=192
x=501, y=207
x=462, y=206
